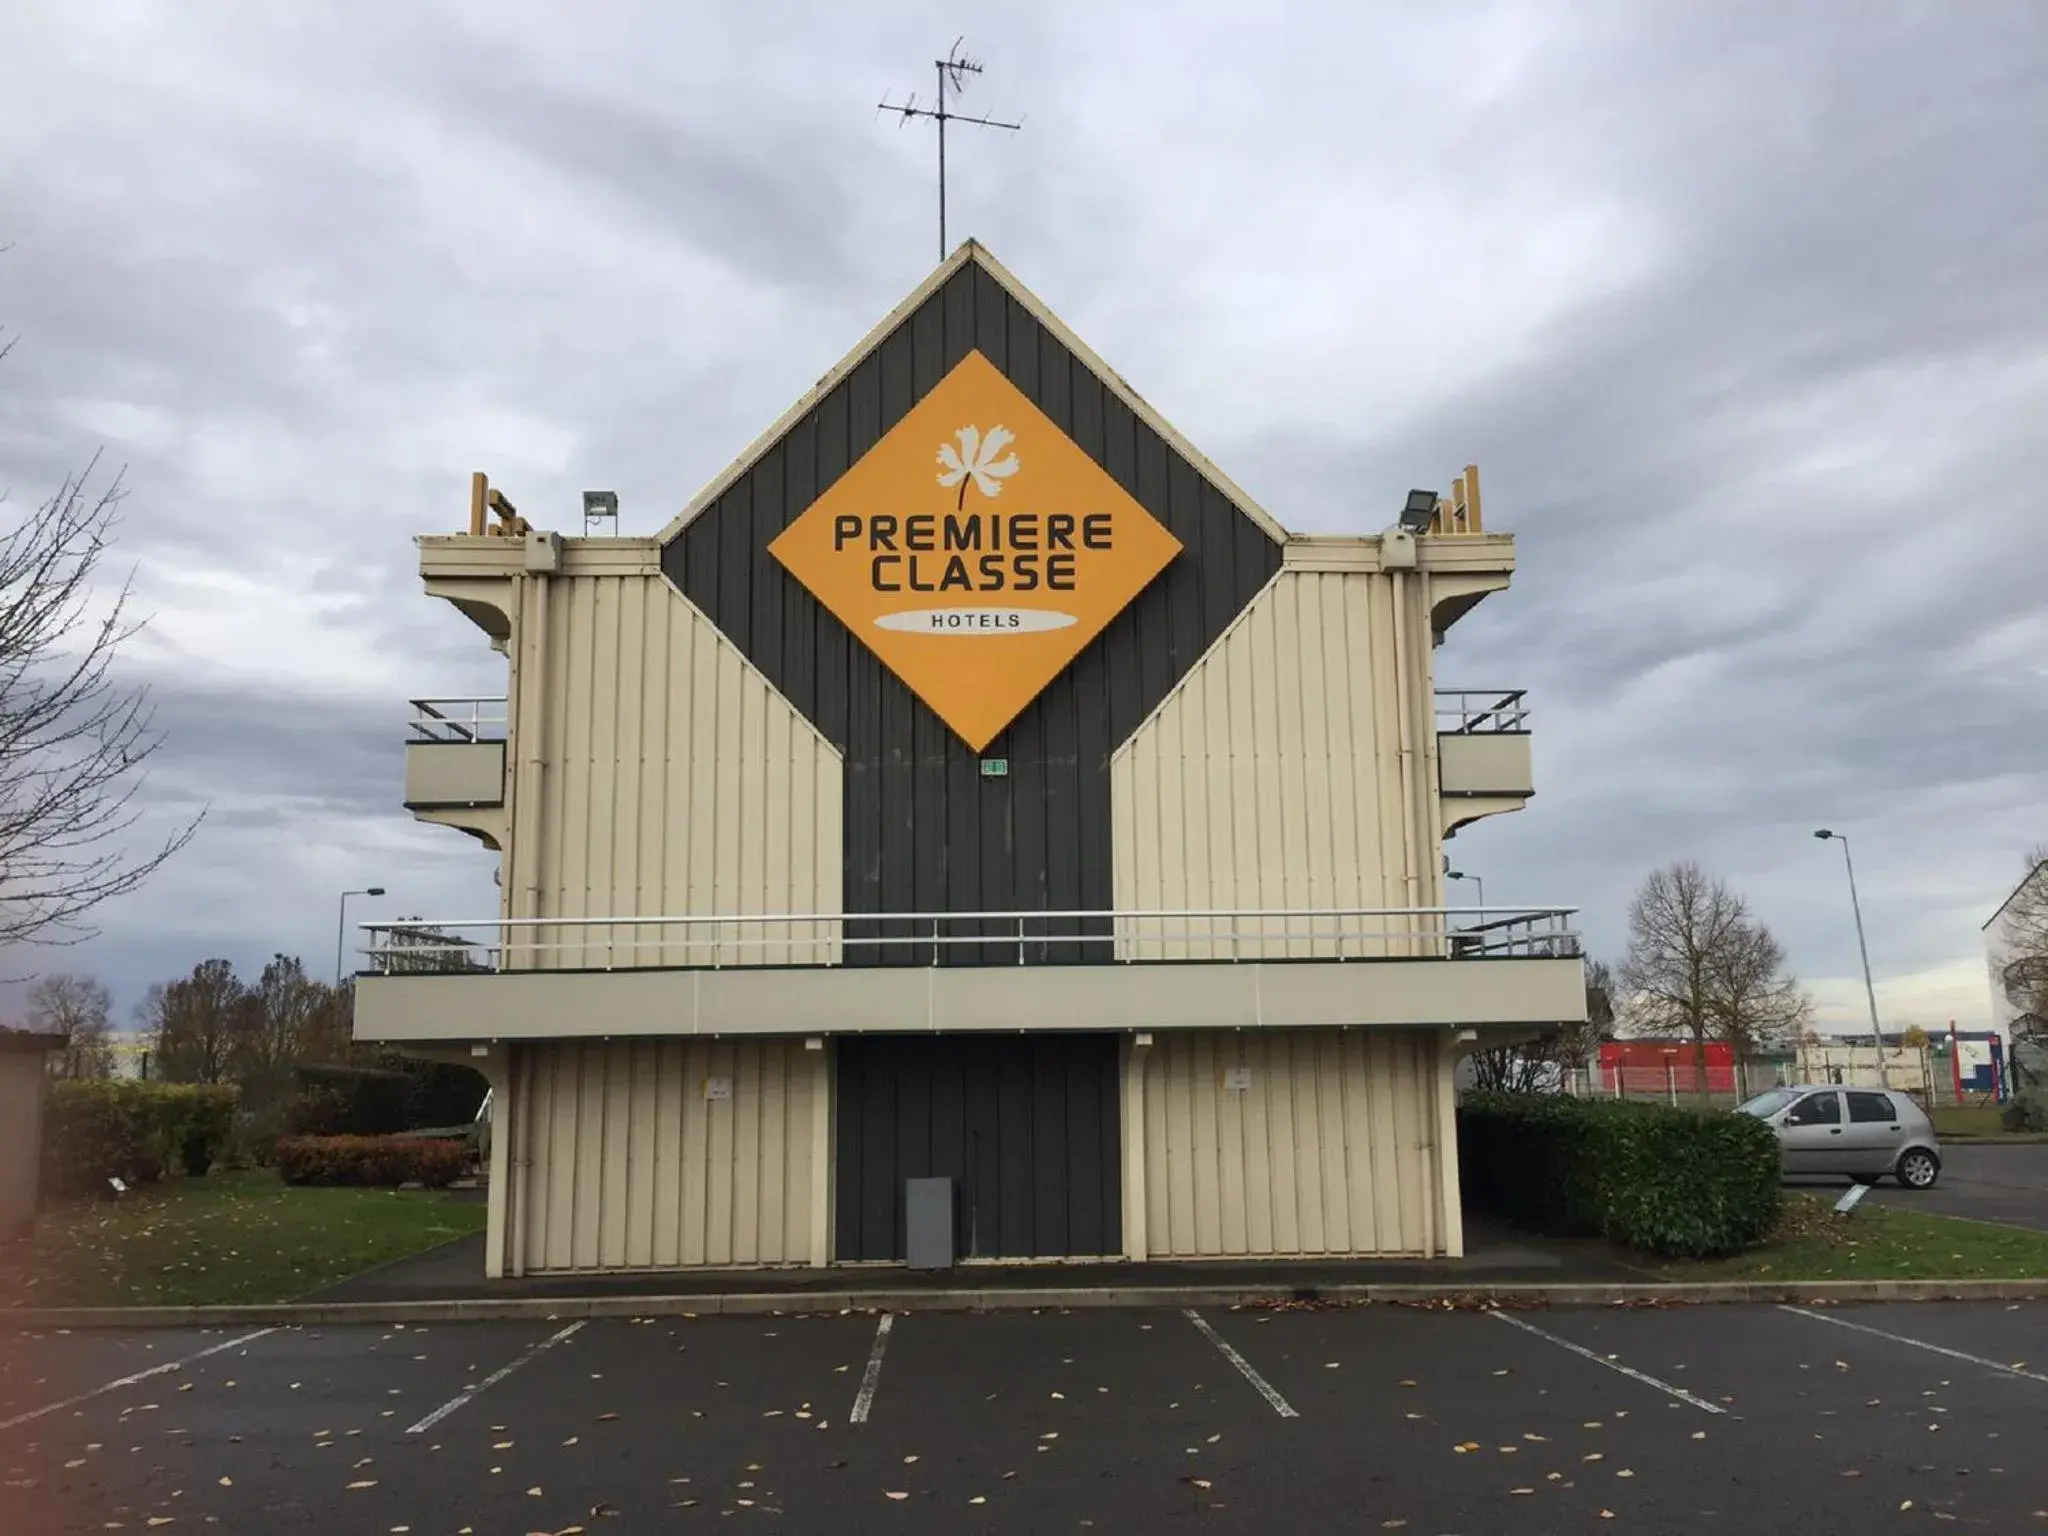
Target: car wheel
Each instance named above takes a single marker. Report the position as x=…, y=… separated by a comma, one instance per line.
x=1918, y=1169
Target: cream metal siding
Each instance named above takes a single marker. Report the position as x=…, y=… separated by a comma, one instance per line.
x=668, y=778
x=1329, y=1147
x=1293, y=767
x=621, y=1161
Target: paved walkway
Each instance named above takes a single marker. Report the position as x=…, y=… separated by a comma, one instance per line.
x=1494, y=1255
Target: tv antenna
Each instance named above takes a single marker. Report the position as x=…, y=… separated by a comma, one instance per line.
x=953, y=71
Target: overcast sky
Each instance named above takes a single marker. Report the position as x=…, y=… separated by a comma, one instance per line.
x=1742, y=310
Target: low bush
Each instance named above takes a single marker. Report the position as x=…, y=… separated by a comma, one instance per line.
x=374, y=1161
x=2028, y=1112
x=116, y=1128
x=1675, y=1182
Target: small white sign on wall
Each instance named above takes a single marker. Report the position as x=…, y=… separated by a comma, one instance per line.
x=1237, y=1079
x=717, y=1090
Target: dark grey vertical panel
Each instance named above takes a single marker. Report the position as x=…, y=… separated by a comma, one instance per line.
x=1015, y=1121
x=1013, y=1140
x=1040, y=837
x=834, y=643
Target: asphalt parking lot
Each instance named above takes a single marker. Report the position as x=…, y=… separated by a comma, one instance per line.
x=1985, y=1182
x=1379, y=1418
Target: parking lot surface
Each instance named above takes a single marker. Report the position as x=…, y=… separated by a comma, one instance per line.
x=2007, y=1184
x=1712, y=1419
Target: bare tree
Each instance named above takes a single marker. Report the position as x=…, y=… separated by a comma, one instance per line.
x=1680, y=919
x=73, y=740
x=1536, y=1066
x=197, y=1022
x=79, y=1007
x=2025, y=924
x=1755, y=1003
x=277, y=1025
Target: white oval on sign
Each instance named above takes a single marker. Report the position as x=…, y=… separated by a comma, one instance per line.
x=975, y=621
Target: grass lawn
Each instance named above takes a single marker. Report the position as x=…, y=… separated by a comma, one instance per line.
x=231, y=1237
x=1967, y=1119
x=1877, y=1242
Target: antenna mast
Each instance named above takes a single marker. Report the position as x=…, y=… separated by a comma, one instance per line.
x=953, y=71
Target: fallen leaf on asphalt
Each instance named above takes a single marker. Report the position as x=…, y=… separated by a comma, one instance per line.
x=1509, y=1450
x=1392, y=1525
x=978, y=1499
x=606, y=1418
x=1699, y=1434
x=571, y=1440
x=892, y=1494
x=1050, y=1434
x=1061, y=1396
x=1406, y=1383
x=160, y=1519
x=1539, y=1439
x=1521, y=1490
x=1592, y=1456
x=187, y=1387
x=227, y=1482
x=1411, y=1415
x=908, y=1460
x=502, y=1445
x=1624, y=1472
x=1590, y=1424
x=1202, y=1482
x=368, y=1482
x=1908, y=1504
x=70, y=1464
x=1606, y=1514
x=534, y=1491
x=1215, y=1437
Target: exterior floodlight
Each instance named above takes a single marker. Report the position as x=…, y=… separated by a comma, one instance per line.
x=600, y=503
x=1421, y=508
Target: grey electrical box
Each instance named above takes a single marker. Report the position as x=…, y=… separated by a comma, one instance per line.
x=928, y=1223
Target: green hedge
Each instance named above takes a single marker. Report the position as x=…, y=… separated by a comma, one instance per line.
x=116, y=1128
x=377, y=1161
x=1676, y=1182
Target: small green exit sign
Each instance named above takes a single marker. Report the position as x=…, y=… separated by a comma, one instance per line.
x=995, y=767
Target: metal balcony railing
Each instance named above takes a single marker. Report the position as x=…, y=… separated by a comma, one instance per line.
x=722, y=941
x=457, y=720
x=1480, y=711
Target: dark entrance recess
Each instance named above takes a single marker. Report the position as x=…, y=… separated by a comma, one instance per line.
x=1026, y=1126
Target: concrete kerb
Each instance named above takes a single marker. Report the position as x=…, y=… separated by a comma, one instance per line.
x=758, y=1303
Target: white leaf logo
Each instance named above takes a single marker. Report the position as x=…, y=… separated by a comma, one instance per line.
x=976, y=459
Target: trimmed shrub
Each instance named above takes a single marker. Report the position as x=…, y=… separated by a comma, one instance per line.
x=373, y=1161
x=116, y=1128
x=196, y=1121
x=1675, y=1182
x=352, y=1101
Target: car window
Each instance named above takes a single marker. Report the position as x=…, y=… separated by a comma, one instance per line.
x=1871, y=1108
x=1767, y=1103
x=1816, y=1109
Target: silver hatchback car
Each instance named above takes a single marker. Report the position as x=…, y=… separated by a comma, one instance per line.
x=1861, y=1132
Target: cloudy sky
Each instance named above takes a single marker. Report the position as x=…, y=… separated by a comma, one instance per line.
x=1742, y=309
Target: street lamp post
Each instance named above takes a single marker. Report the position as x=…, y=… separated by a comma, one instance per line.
x=1452, y=874
x=341, y=926
x=1855, y=906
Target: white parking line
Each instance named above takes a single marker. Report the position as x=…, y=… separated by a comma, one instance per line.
x=1244, y=1367
x=129, y=1381
x=1613, y=1365
x=475, y=1387
x=870, y=1378
x=1900, y=1338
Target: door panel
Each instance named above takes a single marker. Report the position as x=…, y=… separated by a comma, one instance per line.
x=1873, y=1132
x=1813, y=1144
x=1027, y=1127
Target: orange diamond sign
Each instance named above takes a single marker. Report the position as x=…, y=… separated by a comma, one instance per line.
x=975, y=549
